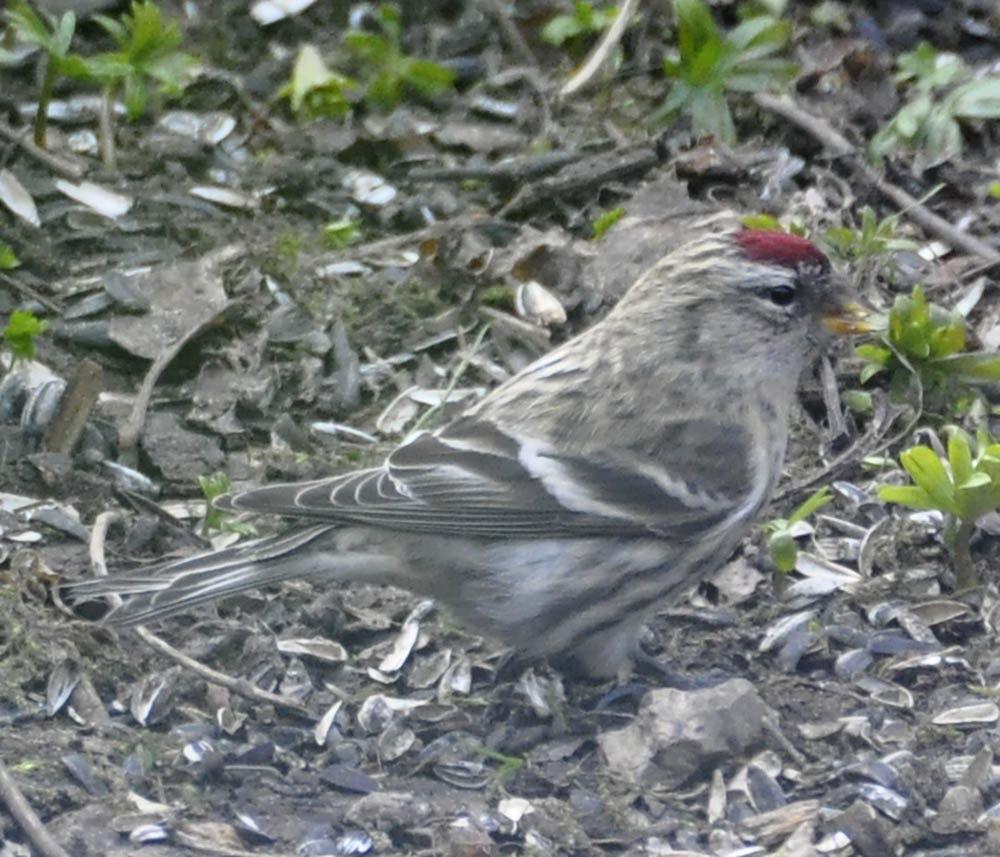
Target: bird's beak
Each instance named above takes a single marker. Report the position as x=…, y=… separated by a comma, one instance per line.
x=847, y=319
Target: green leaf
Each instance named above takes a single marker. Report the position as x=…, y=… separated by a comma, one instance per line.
x=875, y=353
x=763, y=76
x=947, y=334
x=8, y=258
x=757, y=31
x=912, y=116
x=136, y=96
x=63, y=35
x=26, y=21
x=930, y=69
x=907, y=495
x=978, y=99
x=369, y=46
x=560, y=29
x=926, y=469
x=115, y=29
x=784, y=551
x=427, y=77
x=869, y=371
x=960, y=456
x=22, y=328
x=313, y=89
x=695, y=27
x=341, y=233
x=710, y=115
x=858, y=401
x=978, y=367
x=603, y=223
x=817, y=500
x=942, y=137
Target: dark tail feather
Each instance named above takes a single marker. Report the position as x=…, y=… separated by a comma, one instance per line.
x=156, y=591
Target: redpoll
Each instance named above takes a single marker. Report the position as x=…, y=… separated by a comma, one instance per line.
x=602, y=481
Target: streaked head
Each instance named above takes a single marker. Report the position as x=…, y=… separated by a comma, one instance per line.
x=760, y=291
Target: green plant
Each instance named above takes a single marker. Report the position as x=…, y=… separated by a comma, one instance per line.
x=574, y=28
x=922, y=351
x=871, y=238
x=341, y=233
x=53, y=36
x=608, y=219
x=148, y=50
x=393, y=70
x=216, y=519
x=779, y=531
x=22, y=328
x=8, y=258
x=708, y=64
x=965, y=485
x=313, y=90
x=944, y=91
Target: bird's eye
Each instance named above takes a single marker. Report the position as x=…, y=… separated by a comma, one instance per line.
x=782, y=295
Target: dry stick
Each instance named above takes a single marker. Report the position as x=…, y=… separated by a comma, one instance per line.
x=602, y=50
x=241, y=687
x=27, y=291
x=23, y=813
x=129, y=435
x=838, y=145
x=71, y=169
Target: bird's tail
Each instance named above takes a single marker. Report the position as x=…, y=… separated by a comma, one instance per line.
x=156, y=591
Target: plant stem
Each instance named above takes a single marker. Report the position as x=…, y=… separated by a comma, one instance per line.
x=44, y=97
x=106, y=126
x=965, y=572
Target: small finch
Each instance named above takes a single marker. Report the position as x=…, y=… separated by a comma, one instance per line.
x=600, y=482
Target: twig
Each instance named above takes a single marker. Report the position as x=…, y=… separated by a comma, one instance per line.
x=240, y=687
x=70, y=169
x=23, y=813
x=839, y=146
x=48, y=303
x=129, y=435
x=602, y=50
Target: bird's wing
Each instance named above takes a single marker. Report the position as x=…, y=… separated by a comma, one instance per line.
x=474, y=478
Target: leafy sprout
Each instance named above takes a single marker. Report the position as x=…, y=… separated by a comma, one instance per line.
x=708, y=64
x=148, y=50
x=314, y=90
x=922, y=351
x=780, y=531
x=608, y=219
x=54, y=37
x=584, y=21
x=393, y=71
x=871, y=238
x=22, y=328
x=943, y=91
x=964, y=484
x=341, y=233
x=216, y=519
x=8, y=258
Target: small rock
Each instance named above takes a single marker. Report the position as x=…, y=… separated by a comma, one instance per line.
x=679, y=733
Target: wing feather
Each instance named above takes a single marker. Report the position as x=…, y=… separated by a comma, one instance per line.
x=474, y=479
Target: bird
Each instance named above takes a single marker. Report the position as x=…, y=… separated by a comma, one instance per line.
x=598, y=484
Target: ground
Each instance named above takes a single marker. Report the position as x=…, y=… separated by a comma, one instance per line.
x=231, y=334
